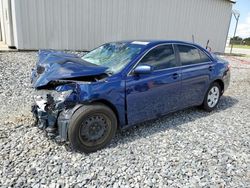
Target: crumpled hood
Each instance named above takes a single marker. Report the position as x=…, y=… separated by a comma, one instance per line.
x=56, y=65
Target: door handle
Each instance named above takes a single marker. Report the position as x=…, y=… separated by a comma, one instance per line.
x=211, y=68
x=175, y=75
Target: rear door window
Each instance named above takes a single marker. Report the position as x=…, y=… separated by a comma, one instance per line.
x=204, y=57
x=190, y=55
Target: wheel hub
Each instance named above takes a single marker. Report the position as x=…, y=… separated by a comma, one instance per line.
x=213, y=96
x=93, y=128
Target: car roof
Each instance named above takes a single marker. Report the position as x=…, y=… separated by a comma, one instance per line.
x=150, y=43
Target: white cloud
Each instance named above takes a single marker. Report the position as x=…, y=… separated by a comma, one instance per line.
x=243, y=29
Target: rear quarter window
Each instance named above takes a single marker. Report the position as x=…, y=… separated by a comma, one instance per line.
x=204, y=57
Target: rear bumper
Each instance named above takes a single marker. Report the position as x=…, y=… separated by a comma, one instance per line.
x=226, y=79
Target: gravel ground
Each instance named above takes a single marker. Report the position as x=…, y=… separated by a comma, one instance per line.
x=190, y=148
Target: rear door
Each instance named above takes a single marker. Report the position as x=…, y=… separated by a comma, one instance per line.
x=196, y=70
x=151, y=95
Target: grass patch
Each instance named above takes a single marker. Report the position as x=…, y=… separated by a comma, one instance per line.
x=241, y=46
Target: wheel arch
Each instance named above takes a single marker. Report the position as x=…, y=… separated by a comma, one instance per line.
x=221, y=83
x=110, y=105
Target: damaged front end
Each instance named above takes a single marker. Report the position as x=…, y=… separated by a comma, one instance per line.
x=61, y=81
x=53, y=108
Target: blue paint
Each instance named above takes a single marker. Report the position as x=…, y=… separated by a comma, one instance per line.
x=59, y=65
x=135, y=98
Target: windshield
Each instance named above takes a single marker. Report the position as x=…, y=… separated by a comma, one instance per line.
x=115, y=55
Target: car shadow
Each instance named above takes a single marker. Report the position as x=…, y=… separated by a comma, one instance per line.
x=170, y=121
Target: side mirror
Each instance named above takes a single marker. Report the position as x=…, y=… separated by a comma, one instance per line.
x=143, y=69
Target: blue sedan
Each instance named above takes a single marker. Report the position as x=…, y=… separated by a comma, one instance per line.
x=84, y=100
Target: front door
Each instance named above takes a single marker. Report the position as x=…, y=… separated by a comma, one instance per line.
x=151, y=95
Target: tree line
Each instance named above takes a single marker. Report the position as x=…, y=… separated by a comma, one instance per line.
x=239, y=40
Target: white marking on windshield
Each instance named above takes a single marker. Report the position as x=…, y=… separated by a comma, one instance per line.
x=140, y=42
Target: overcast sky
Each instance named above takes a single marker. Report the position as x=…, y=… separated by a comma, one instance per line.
x=243, y=30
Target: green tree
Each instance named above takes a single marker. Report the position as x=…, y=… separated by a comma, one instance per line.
x=236, y=40
x=246, y=41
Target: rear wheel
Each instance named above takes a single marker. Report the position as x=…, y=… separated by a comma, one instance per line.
x=212, y=97
x=92, y=127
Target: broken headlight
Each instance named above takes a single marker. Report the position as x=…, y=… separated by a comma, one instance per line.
x=45, y=99
x=61, y=96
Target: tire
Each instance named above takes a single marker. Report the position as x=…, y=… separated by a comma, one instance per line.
x=209, y=102
x=91, y=128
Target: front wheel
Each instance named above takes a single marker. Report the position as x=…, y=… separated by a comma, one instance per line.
x=212, y=97
x=92, y=127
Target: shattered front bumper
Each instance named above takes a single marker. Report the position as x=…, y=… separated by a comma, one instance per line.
x=54, y=123
x=53, y=110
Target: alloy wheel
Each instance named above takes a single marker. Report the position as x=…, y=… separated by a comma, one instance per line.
x=213, y=96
